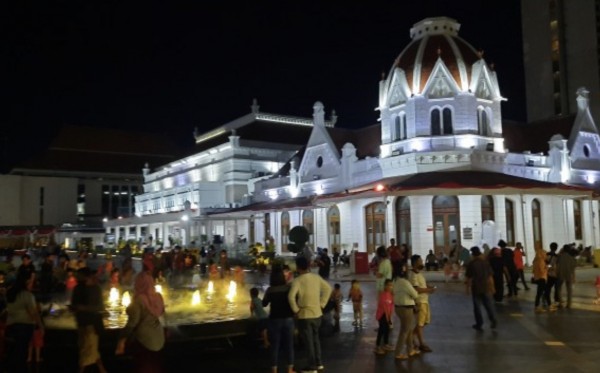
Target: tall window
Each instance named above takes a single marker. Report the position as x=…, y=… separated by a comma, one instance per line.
x=510, y=221
x=308, y=222
x=398, y=128
x=285, y=230
x=446, y=222
x=577, y=219
x=375, y=225
x=536, y=220
x=441, y=123
x=267, y=226
x=436, y=129
x=487, y=208
x=333, y=223
x=483, y=122
x=403, y=228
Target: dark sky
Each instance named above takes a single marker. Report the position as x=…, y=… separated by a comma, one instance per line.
x=179, y=65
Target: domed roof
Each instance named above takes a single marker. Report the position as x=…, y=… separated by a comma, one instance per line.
x=434, y=38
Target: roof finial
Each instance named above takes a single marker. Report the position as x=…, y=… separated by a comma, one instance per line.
x=254, y=106
x=439, y=51
x=492, y=66
x=480, y=53
x=382, y=75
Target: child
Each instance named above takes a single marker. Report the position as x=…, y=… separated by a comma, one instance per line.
x=356, y=297
x=336, y=298
x=385, y=306
x=213, y=272
x=257, y=310
x=70, y=283
x=239, y=276
x=597, y=284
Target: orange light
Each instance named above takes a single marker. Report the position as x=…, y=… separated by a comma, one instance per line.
x=379, y=187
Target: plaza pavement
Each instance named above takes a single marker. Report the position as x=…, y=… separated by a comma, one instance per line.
x=564, y=341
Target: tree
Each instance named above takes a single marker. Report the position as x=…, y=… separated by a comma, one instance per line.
x=299, y=236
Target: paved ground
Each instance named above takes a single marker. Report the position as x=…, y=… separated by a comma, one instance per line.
x=563, y=341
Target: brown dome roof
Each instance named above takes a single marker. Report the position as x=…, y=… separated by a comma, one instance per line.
x=435, y=38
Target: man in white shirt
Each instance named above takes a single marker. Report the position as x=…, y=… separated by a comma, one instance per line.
x=308, y=296
x=417, y=280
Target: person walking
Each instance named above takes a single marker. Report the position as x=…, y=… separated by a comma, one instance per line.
x=405, y=306
x=144, y=327
x=383, y=315
x=519, y=254
x=566, y=274
x=395, y=255
x=479, y=277
x=280, y=324
x=497, y=264
x=384, y=269
x=553, y=281
x=540, y=278
x=308, y=296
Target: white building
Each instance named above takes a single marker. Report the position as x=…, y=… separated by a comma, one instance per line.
x=435, y=169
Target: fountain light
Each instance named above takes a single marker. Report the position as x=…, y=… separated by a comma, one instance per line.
x=158, y=288
x=211, y=287
x=126, y=300
x=232, y=291
x=196, y=298
x=113, y=297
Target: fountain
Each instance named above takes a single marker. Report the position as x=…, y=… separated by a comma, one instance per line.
x=209, y=309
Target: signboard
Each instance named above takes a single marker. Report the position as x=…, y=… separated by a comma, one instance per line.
x=467, y=233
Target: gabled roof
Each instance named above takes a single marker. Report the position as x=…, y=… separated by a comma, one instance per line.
x=100, y=150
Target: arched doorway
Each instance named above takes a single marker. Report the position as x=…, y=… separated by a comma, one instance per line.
x=375, y=225
x=285, y=230
x=308, y=223
x=536, y=215
x=510, y=221
x=403, y=228
x=487, y=208
x=333, y=223
x=446, y=222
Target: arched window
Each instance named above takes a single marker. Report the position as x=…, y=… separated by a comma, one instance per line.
x=446, y=222
x=285, y=230
x=510, y=221
x=404, y=132
x=308, y=223
x=487, y=208
x=267, y=225
x=436, y=128
x=536, y=221
x=375, y=225
x=447, y=120
x=483, y=122
x=397, y=128
x=333, y=223
x=577, y=219
x=403, y=228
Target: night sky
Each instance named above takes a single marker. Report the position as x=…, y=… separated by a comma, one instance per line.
x=178, y=65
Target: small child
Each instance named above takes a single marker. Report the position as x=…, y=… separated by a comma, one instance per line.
x=385, y=307
x=356, y=297
x=70, y=284
x=36, y=343
x=239, y=276
x=336, y=297
x=597, y=285
x=257, y=310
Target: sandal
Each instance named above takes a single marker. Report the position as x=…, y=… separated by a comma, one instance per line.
x=401, y=357
x=414, y=353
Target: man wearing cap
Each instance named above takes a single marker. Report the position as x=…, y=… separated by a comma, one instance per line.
x=479, y=278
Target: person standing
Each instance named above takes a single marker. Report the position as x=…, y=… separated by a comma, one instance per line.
x=417, y=280
x=280, y=324
x=395, y=256
x=144, y=327
x=497, y=264
x=479, y=277
x=324, y=264
x=553, y=281
x=384, y=269
x=308, y=296
x=519, y=254
x=510, y=270
x=383, y=315
x=88, y=306
x=566, y=273
x=22, y=317
x=405, y=305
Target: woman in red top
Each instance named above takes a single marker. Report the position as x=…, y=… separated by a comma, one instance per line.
x=519, y=253
x=385, y=307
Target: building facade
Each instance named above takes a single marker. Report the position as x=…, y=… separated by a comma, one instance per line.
x=433, y=170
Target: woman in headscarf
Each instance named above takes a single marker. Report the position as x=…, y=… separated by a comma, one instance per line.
x=21, y=318
x=144, y=327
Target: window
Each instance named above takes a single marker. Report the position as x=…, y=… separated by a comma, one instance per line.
x=441, y=123
x=577, y=219
x=397, y=128
x=403, y=226
x=586, y=151
x=487, y=208
x=536, y=215
x=333, y=222
x=510, y=222
x=285, y=230
x=308, y=223
x=436, y=130
x=483, y=122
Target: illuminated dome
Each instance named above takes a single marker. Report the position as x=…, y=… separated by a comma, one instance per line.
x=439, y=87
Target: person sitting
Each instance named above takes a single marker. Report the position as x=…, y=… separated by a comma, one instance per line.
x=431, y=262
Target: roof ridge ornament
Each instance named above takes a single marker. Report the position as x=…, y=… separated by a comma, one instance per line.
x=254, y=106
